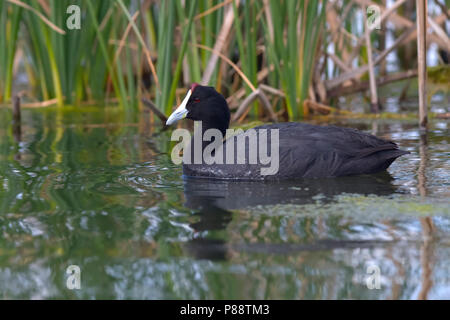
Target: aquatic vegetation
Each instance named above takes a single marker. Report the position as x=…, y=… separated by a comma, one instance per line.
x=293, y=51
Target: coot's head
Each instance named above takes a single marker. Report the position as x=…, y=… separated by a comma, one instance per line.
x=203, y=104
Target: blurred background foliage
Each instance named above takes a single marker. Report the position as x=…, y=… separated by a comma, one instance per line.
x=127, y=49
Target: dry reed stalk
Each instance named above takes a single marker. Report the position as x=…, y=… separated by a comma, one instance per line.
x=231, y=63
x=40, y=104
x=142, y=42
x=240, y=93
x=356, y=73
x=400, y=21
x=122, y=42
x=373, y=89
x=322, y=108
x=439, y=32
x=443, y=8
x=245, y=107
x=421, y=7
x=224, y=31
x=345, y=90
x=212, y=9
x=335, y=28
x=40, y=15
x=148, y=103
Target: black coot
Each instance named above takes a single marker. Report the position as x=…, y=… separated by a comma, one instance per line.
x=303, y=150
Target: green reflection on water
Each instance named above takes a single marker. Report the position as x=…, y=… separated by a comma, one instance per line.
x=96, y=188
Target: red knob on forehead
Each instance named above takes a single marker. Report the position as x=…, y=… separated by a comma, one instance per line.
x=193, y=86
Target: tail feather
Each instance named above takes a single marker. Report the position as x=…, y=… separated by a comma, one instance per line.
x=385, y=158
x=372, y=161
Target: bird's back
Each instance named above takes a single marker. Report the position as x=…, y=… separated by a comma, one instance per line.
x=306, y=150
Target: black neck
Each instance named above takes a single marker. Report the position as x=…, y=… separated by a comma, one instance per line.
x=205, y=126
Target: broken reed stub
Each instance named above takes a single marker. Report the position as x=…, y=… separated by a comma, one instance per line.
x=16, y=118
x=16, y=110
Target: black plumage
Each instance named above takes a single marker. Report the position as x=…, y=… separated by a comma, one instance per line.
x=305, y=150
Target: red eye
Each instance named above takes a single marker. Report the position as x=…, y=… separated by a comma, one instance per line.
x=196, y=100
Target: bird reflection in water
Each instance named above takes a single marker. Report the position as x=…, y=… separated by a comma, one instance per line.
x=213, y=200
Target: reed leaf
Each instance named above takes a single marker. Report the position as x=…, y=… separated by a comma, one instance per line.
x=10, y=29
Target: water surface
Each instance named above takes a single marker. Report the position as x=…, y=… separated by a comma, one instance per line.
x=96, y=188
